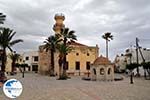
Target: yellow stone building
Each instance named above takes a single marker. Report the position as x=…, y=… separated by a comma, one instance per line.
x=78, y=60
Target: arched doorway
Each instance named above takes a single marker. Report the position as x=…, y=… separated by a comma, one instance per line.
x=109, y=71
x=101, y=71
x=94, y=70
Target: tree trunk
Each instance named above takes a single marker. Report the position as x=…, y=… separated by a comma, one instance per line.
x=64, y=66
x=60, y=67
x=106, y=48
x=64, y=59
x=60, y=72
x=4, y=58
x=52, y=63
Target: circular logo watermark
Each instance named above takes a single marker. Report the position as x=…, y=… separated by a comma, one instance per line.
x=12, y=88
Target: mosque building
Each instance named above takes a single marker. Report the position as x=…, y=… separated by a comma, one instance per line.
x=78, y=60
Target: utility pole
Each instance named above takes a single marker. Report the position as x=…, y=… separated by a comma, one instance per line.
x=137, y=56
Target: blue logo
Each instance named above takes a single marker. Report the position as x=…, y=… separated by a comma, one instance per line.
x=12, y=88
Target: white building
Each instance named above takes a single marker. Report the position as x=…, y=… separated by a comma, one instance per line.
x=32, y=59
x=120, y=62
x=145, y=52
x=130, y=56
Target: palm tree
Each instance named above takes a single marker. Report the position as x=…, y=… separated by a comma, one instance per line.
x=107, y=36
x=6, y=41
x=62, y=51
x=67, y=36
x=2, y=18
x=14, y=57
x=51, y=44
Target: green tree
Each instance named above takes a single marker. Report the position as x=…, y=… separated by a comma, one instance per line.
x=63, y=49
x=67, y=35
x=51, y=44
x=6, y=41
x=2, y=18
x=14, y=57
x=107, y=36
x=131, y=67
x=146, y=67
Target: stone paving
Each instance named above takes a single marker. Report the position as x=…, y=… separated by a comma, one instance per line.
x=37, y=87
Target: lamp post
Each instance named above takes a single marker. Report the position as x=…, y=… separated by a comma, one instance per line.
x=131, y=73
x=131, y=78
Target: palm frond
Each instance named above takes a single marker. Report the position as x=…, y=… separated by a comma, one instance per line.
x=15, y=42
x=51, y=42
x=11, y=34
x=103, y=36
x=14, y=56
x=2, y=18
x=64, y=49
x=107, y=36
x=66, y=34
x=9, y=48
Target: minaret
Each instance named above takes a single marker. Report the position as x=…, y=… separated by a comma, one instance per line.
x=59, y=18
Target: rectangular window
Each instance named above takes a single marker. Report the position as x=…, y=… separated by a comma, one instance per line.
x=34, y=67
x=27, y=58
x=36, y=58
x=88, y=65
x=77, y=65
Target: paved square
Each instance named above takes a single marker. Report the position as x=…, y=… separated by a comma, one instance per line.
x=37, y=87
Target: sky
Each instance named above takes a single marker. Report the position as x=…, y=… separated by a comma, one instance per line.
x=33, y=21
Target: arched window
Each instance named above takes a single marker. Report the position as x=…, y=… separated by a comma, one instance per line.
x=94, y=70
x=109, y=71
x=101, y=71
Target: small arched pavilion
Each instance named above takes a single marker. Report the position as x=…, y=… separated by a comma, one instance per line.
x=102, y=69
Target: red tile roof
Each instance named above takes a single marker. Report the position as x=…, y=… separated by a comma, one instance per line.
x=76, y=43
x=102, y=61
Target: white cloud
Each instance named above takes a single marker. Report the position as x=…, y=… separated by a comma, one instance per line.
x=81, y=4
x=126, y=19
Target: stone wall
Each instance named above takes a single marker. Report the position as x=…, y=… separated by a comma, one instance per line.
x=44, y=61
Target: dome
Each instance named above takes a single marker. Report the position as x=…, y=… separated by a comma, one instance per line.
x=102, y=61
x=59, y=16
